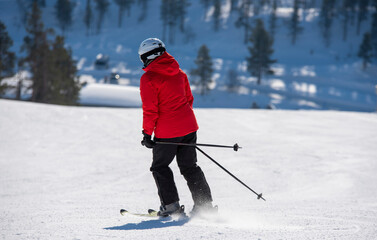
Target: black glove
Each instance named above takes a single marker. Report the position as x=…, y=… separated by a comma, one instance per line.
x=147, y=141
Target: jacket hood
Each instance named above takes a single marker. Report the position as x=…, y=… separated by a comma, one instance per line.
x=164, y=64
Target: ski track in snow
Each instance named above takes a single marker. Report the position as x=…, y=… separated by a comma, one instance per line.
x=66, y=171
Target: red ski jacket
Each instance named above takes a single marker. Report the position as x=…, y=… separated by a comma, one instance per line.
x=167, y=99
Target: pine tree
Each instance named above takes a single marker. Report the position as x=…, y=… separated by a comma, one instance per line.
x=362, y=13
x=63, y=12
x=41, y=3
x=217, y=15
x=64, y=86
x=365, y=50
x=7, y=58
x=172, y=13
x=164, y=17
x=326, y=19
x=123, y=6
x=373, y=29
x=88, y=17
x=273, y=18
x=51, y=66
x=172, y=23
x=143, y=9
x=346, y=15
x=22, y=8
x=101, y=7
x=204, y=70
x=181, y=13
x=36, y=46
x=233, y=82
x=353, y=11
x=260, y=61
x=167, y=10
x=244, y=18
x=295, y=28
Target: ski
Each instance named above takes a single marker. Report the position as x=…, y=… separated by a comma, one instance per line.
x=151, y=213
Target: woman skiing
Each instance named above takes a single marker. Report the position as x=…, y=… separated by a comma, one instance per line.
x=168, y=113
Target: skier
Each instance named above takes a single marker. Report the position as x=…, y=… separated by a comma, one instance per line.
x=168, y=113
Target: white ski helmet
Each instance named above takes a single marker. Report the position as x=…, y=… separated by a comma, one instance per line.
x=151, y=48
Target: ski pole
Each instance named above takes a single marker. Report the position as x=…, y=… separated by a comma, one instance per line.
x=218, y=164
x=235, y=146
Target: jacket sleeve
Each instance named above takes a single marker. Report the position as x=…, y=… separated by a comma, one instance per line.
x=189, y=96
x=149, y=99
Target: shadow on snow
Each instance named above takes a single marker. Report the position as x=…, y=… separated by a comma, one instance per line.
x=150, y=224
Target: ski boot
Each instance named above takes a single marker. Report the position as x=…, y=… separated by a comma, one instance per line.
x=171, y=209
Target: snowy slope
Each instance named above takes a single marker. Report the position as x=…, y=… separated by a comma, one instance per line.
x=66, y=171
x=308, y=75
x=95, y=94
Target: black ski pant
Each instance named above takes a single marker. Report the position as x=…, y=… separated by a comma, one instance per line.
x=163, y=155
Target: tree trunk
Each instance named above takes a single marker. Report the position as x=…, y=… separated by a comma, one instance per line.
x=259, y=77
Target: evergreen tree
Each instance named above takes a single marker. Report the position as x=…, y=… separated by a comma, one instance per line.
x=101, y=7
x=365, y=50
x=352, y=11
x=362, y=13
x=52, y=68
x=217, y=15
x=144, y=9
x=88, y=17
x=273, y=18
x=172, y=12
x=244, y=18
x=373, y=30
x=7, y=58
x=233, y=82
x=168, y=22
x=172, y=19
x=22, y=8
x=181, y=13
x=204, y=70
x=64, y=86
x=164, y=17
x=63, y=12
x=36, y=46
x=326, y=19
x=295, y=28
x=123, y=6
x=346, y=15
x=261, y=50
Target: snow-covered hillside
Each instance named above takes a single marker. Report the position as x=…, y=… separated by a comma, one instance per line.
x=66, y=171
x=308, y=75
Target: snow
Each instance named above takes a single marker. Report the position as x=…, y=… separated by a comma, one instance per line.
x=94, y=94
x=66, y=171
